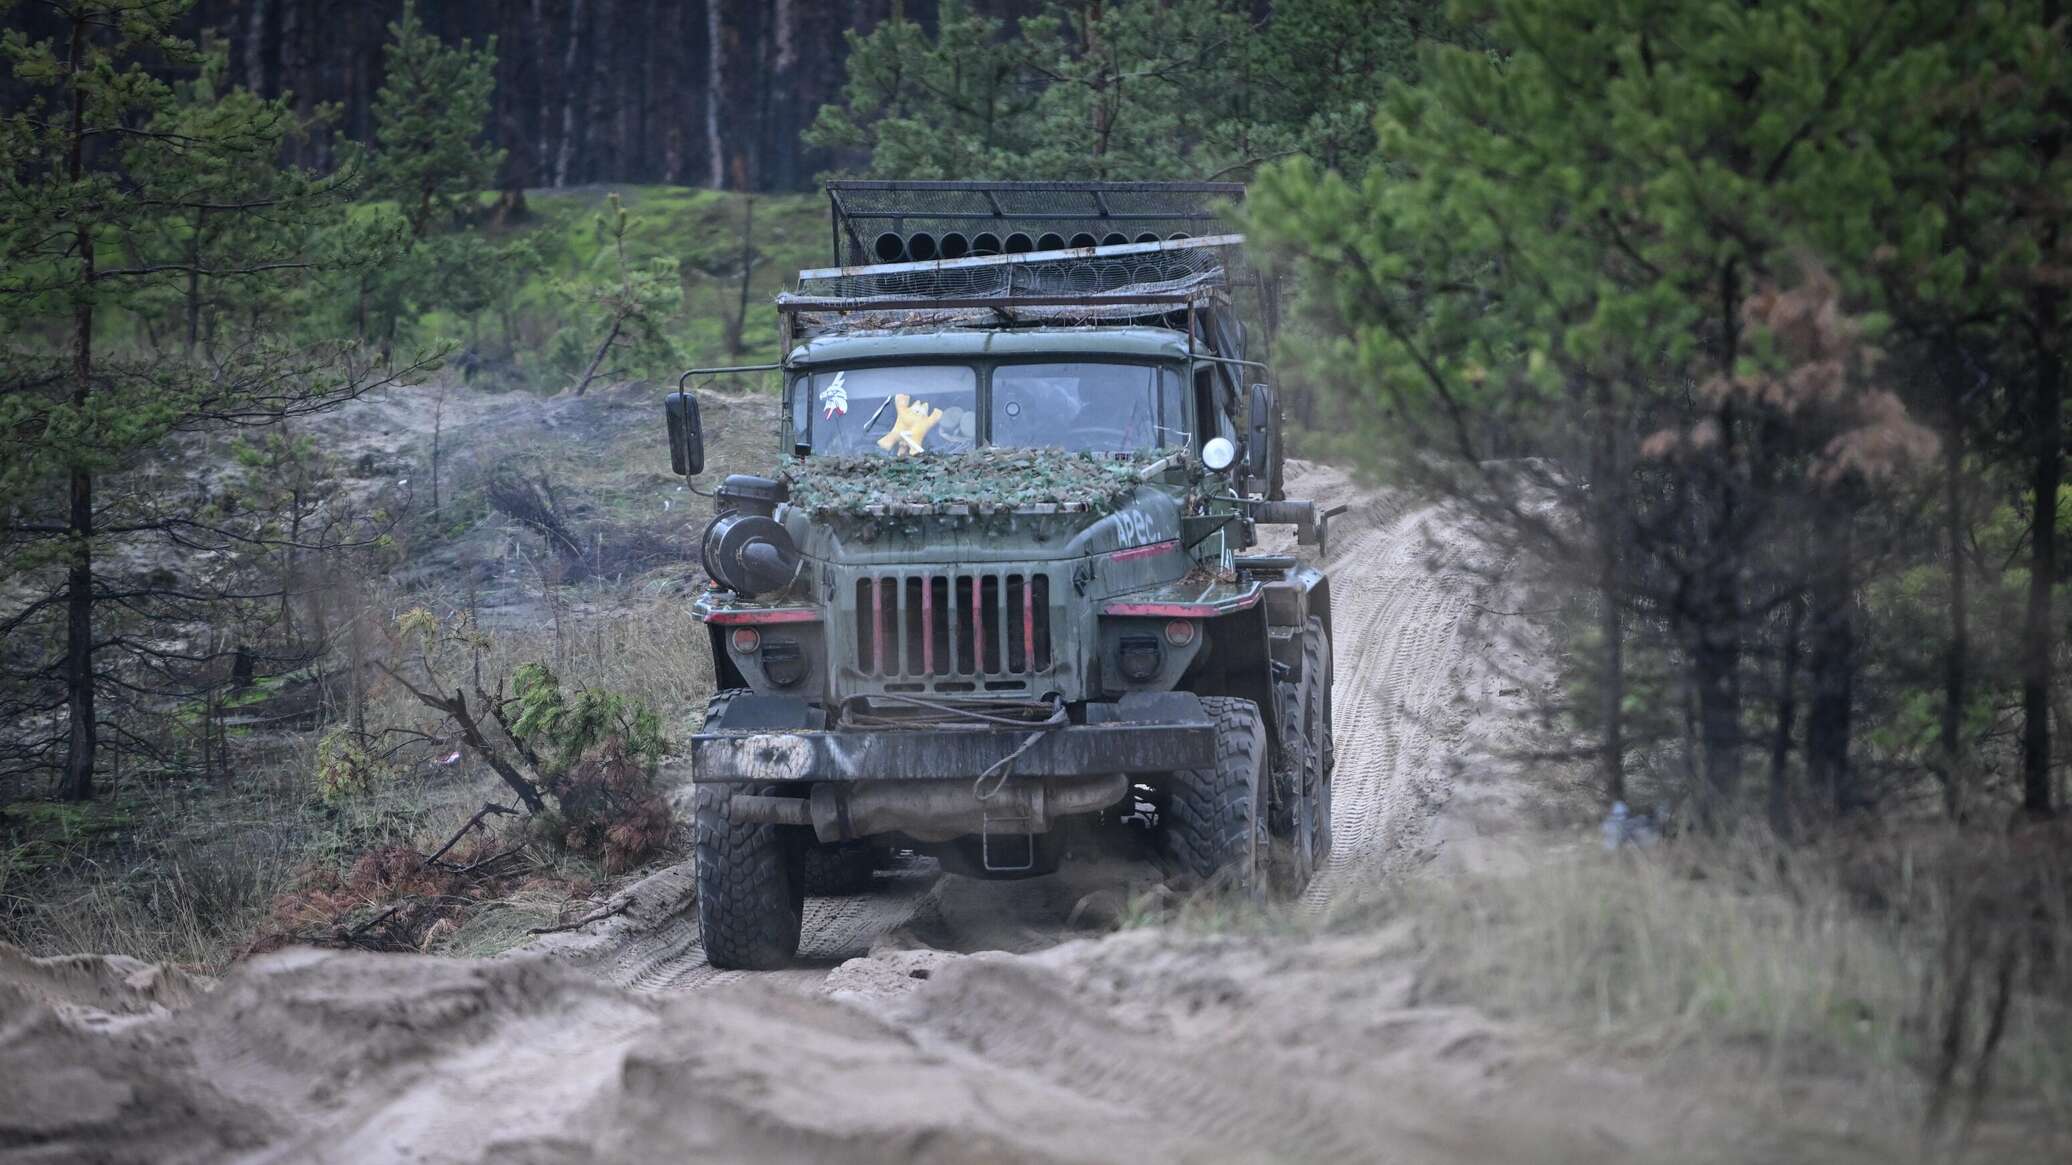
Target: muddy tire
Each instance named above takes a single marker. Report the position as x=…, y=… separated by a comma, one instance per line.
x=1212, y=827
x=1291, y=823
x=751, y=897
x=1316, y=728
x=836, y=870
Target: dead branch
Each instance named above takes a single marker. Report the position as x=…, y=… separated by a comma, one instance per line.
x=456, y=709
x=621, y=907
x=488, y=807
x=377, y=920
x=492, y=859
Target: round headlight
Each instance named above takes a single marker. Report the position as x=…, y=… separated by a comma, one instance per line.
x=747, y=639
x=1180, y=632
x=1218, y=453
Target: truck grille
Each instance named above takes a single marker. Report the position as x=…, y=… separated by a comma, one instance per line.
x=953, y=625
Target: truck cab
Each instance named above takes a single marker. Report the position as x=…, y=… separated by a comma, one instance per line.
x=1001, y=575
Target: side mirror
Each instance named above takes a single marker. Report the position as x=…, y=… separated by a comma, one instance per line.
x=1259, y=448
x=686, y=438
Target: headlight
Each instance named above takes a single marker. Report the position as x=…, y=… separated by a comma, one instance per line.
x=1141, y=657
x=783, y=662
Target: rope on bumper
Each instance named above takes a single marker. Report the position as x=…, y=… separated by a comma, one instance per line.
x=956, y=715
x=1005, y=765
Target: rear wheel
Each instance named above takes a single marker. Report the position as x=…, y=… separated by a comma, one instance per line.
x=751, y=895
x=1212, y=826
x=1292, y=820
x=1316, y=707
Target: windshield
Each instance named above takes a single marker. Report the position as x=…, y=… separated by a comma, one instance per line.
x=1082, y=407
x=1077, y=406
x=856, y=409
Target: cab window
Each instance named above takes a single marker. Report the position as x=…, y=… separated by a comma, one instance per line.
x=852, y=410
x=1086, y=406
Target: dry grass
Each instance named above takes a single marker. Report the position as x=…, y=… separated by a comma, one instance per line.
x=1872, y=964
x=189, y=872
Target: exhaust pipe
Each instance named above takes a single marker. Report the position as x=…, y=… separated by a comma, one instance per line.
x=1147, y=237
x=920, y=247
x=985, y=243
x=1082, y=240
x=889, y=248
x=1115, y=239
x=1020, y=244
x=954, y=246
x=1051, y=241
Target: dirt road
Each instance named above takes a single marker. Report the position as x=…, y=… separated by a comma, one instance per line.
x=933, y=1021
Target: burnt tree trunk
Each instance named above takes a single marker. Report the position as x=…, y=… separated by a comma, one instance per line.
x=82, y=729
x=2046, y=395
x=1955, y=680
x=569, y=86
x=1607, y=491
x=1779, y=800
x=715, y=92
x=1831, y=669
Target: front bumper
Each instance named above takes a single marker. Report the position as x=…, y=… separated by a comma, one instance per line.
x=763, y=741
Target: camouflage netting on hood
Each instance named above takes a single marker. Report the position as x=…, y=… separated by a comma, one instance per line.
x=982, y=481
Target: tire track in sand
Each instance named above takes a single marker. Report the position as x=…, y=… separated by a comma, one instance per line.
x=1398, y=602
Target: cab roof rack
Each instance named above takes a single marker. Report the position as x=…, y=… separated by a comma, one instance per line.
x=914, y=255
x=886, y=222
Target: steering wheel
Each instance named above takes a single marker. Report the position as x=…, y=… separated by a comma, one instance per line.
x=1098, y=438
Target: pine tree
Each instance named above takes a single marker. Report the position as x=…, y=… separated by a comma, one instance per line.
x=618, y=319
x=428, y=165
x=956, y=104
x=1660, y=245
x=129, y=207
x=1125, y=89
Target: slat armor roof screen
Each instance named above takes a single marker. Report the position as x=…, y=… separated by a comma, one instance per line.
x=889, y=222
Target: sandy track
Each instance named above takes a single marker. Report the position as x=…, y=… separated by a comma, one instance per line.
x=934, y=1020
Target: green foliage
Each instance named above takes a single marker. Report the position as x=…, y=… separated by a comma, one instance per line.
x=986, y=480
x=429, y=118
x=617, y=320
x=346, y=771
x=567, y=726
x=181, y=227
x=1319, y=70
x=954, y=105
x=153, y=256
x=421, y=248
x=599, y=752
x=1128, y=89
x=1705, y=260
x=418, y=627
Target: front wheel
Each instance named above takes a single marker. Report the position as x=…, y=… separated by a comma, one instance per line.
x=751, y=892
x=751, y=889
x=1212, y=826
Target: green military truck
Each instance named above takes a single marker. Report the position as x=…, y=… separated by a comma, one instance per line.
x=1003, y=574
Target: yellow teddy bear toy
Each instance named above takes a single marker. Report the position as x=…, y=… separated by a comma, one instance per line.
x=912, y=425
